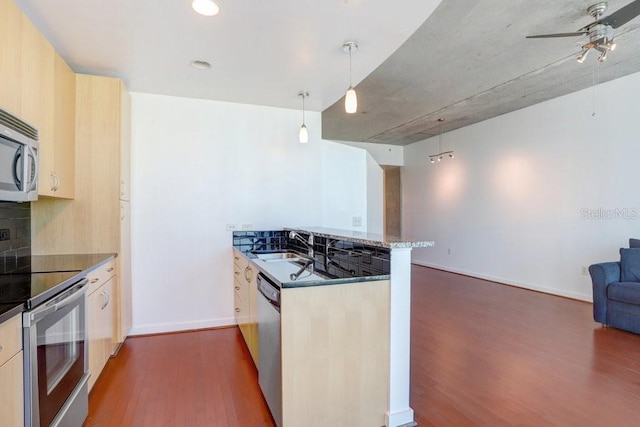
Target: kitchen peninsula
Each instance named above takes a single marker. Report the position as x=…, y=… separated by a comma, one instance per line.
x=345, y=321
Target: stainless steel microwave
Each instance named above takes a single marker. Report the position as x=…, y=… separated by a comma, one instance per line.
x=18, y=159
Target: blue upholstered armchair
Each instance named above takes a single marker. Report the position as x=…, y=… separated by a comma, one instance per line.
x=616, y=290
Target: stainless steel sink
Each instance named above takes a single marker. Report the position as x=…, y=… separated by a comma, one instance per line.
x=281, y=256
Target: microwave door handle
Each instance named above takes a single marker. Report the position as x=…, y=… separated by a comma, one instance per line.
x=34, y=181
x=16, y=165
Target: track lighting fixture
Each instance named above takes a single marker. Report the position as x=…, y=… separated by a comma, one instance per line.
x=304, y=133
x=350, y=99
x=438, y=157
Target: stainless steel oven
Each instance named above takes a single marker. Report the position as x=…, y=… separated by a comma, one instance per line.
x=55, y=352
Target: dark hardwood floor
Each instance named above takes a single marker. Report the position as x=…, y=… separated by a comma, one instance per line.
x=482, y=354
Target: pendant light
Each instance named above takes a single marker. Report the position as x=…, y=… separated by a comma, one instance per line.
x=304, y=133
x=350, y=99
x=438, y=157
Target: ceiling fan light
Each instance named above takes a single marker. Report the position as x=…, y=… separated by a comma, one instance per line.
x=205, y=7
x=351, y=101
x=304, y=134
x=451, y=155
x=583, y=55
x=439, y=158
x=603, y=55
x=432, y=160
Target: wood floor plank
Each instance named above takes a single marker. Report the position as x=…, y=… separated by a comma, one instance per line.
x=482, y=354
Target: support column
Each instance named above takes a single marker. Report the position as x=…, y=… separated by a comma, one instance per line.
x=399, y=413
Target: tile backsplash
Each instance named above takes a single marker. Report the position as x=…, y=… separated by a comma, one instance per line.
x=15, y=237
x=335, y=258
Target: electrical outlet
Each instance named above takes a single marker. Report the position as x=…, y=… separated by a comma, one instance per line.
x=247, y=227
x=5, y=234
x=357, y=221
x=232, y=227
x=585, y=270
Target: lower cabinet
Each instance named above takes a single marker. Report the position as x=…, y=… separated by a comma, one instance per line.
x=246, y=301
x=101, y=321
x=11, y=373
x=335, y=354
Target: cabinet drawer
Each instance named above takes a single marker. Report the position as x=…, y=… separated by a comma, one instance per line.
x=10, y=338
x=101, y=275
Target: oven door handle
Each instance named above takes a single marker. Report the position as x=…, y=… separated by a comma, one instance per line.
x=62, y=301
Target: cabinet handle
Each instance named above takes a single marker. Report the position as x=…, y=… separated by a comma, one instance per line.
x=94, y=280
x=56, y=181
x=237, y=288
x=237, y=310
x=237, y=273
x=248, y=272
x=106, y=299
x=109, y=270
x=236, y=258
x=1, y=349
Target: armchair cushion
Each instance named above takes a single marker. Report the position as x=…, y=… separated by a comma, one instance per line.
x=634, y=243
x=630, y=265
x=628, y=292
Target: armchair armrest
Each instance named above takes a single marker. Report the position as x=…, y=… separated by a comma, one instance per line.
x=601, y=276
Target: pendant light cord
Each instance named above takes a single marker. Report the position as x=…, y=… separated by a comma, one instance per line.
x=350, y=84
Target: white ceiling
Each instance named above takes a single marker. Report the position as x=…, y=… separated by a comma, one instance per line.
x=262, y=52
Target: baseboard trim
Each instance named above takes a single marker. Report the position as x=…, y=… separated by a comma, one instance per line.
x=503, y=281
x=403, y=418
x=165, y=328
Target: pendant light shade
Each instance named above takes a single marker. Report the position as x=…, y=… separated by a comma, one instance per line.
x=350, y=99
x=303, y=135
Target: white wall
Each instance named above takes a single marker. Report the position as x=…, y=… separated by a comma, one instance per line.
x=515, y=204
x=384, y=154
x=199, y=165
x=375, y=196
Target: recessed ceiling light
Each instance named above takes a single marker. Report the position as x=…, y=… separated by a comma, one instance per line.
x=200, y=65
x=205, y=7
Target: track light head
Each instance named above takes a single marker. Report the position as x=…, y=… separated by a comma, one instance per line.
x=583, y=55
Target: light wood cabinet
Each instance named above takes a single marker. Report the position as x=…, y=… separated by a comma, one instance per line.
x=92, y=222
x=101, y=318
x=38, y=86
x=246, y=301
x=11, y=373
x=335, y=354
x=10, y=57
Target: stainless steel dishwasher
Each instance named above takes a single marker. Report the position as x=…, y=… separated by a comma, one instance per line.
x=270, y=365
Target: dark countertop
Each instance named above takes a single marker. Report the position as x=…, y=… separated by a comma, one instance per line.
x=40, y=264
x=7, y=311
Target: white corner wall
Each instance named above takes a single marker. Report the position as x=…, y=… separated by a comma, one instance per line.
x=532, y=196
x=199, y=165
x=375, y=196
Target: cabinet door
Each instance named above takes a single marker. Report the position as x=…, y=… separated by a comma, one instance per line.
x=37, y=90
x=125, y=144
x=100, y=327
x=124, y=311
x=10, y=57
x=11, y=392
x=64, y=130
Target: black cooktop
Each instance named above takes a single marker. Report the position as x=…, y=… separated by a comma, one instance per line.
x=32, y=289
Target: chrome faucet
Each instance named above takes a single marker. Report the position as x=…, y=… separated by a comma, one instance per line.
x=308, y=243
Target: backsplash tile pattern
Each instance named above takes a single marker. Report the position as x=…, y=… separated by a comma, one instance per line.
x=248, y=241
x=15, y=253
x=336, y=258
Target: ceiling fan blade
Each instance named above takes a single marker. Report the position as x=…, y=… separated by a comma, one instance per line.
x=548, y=36
x=622, y=16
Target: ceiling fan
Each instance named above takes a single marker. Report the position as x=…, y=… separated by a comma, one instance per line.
x=600, y=31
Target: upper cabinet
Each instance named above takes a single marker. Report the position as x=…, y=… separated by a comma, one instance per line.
x=10, y=56
x=39, y=87
x=125, y=144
